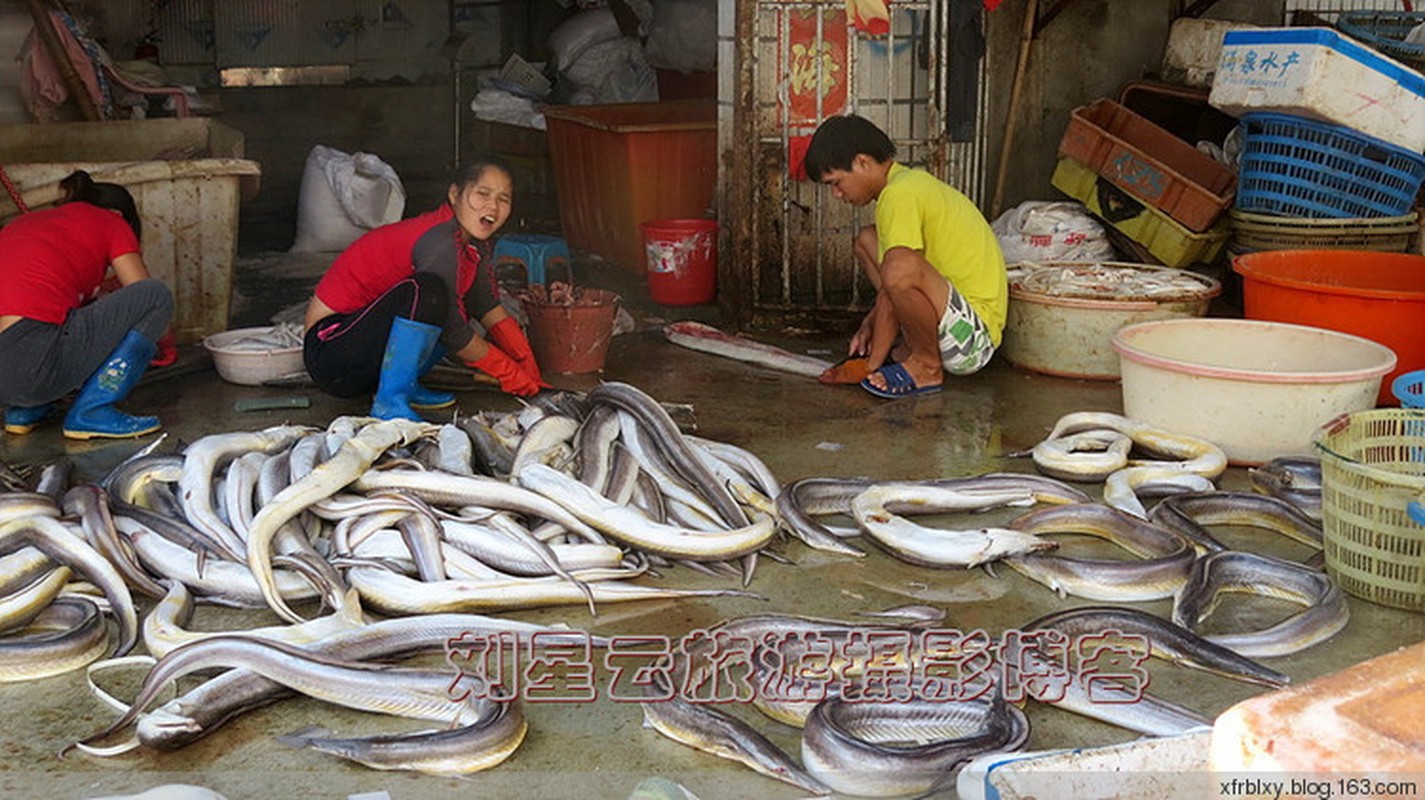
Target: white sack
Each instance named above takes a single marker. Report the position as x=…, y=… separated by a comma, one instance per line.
x=1042, y=231
x=343, y=196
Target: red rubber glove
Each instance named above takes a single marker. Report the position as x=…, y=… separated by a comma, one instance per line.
x=507, y=335
x=167, y=352
x=507, y=371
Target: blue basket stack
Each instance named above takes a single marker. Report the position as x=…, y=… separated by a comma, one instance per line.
x=1386, y=31
x=1298, y=167
x=1331, y=130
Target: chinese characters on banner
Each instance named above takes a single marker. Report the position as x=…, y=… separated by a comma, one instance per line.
x=815, y=72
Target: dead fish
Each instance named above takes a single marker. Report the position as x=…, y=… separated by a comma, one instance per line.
x=1189, y=514
x=1162, y=564
x=911, y=612
x=707, y=339
x=935, y=546
x=1163, y=639
x=1324, y=612
x=895, y=749
x=493, y=737
x=708, y=728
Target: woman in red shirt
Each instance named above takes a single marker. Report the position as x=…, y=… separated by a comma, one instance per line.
x=410, y=291
x=52, y=340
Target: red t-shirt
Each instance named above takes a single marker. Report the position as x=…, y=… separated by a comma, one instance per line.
x=376, y=261
x=53, y=260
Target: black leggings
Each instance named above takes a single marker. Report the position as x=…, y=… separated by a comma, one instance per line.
x=343, y=351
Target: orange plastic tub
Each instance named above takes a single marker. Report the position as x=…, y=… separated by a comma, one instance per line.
x=616, y=166
x=1379, y=296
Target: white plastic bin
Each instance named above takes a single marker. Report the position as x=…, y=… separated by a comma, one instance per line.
x=1318, y=73
x=187, y=177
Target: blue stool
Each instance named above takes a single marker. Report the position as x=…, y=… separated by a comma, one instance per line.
x=535, y=252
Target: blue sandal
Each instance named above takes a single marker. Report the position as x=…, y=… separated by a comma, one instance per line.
x=899, y=384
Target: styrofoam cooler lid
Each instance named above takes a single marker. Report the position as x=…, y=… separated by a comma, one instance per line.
x=1409, y=79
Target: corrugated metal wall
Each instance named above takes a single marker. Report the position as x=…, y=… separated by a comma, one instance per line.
x=790, y=239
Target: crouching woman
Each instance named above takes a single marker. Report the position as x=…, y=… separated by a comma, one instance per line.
x=404, y=294
x=53, y=340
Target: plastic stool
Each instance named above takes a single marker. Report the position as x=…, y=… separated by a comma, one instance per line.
x=535, y=252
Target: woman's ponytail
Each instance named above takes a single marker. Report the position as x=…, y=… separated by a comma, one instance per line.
x=78, y=186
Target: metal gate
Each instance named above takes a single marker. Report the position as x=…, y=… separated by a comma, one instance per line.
x=799, y=61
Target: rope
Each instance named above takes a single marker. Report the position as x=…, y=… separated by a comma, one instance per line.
x=14, y=193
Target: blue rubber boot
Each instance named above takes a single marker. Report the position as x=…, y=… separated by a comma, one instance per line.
x=93, y=414
x=424, y=398
x=407, y=349
x=23, y=419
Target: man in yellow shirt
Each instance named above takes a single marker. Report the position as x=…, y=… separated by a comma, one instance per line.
x=936, y=265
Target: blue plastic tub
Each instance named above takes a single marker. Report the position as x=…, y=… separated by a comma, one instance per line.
x=1409, y=389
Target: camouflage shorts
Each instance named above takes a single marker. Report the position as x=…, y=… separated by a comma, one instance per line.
x=965, y=344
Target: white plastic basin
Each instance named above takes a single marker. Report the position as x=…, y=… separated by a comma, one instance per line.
x=247, y=366
x=1256, y=389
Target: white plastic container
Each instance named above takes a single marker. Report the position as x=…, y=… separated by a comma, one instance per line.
x=1318, y=73
x=1256, y=389
x=1315, y=72
x=251, y=367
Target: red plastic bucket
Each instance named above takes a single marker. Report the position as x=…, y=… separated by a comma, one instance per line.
x=682, y=260
x=573, y=339
x=1378, y=296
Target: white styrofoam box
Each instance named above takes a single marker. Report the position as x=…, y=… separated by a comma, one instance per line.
x=1163, y=767
x=1318, y=73
x=1194, y=48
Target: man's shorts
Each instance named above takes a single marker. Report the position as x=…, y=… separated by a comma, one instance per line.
x=965, y=344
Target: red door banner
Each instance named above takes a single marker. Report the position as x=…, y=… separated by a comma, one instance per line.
x=815, y=73
x=814, y=68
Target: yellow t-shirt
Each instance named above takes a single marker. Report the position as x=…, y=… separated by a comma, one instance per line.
x=922, y=212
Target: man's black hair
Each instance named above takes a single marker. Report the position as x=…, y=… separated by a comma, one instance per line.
x=839, y=140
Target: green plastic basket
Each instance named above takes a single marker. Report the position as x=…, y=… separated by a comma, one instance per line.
x=1372, y=469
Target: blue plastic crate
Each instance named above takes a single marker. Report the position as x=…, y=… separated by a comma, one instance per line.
x=1386, y=31
x=1297, y=167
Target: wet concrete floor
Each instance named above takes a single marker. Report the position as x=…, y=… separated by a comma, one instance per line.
x=600, y=749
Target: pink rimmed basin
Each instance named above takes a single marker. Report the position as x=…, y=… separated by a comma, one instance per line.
x=1256, y=389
